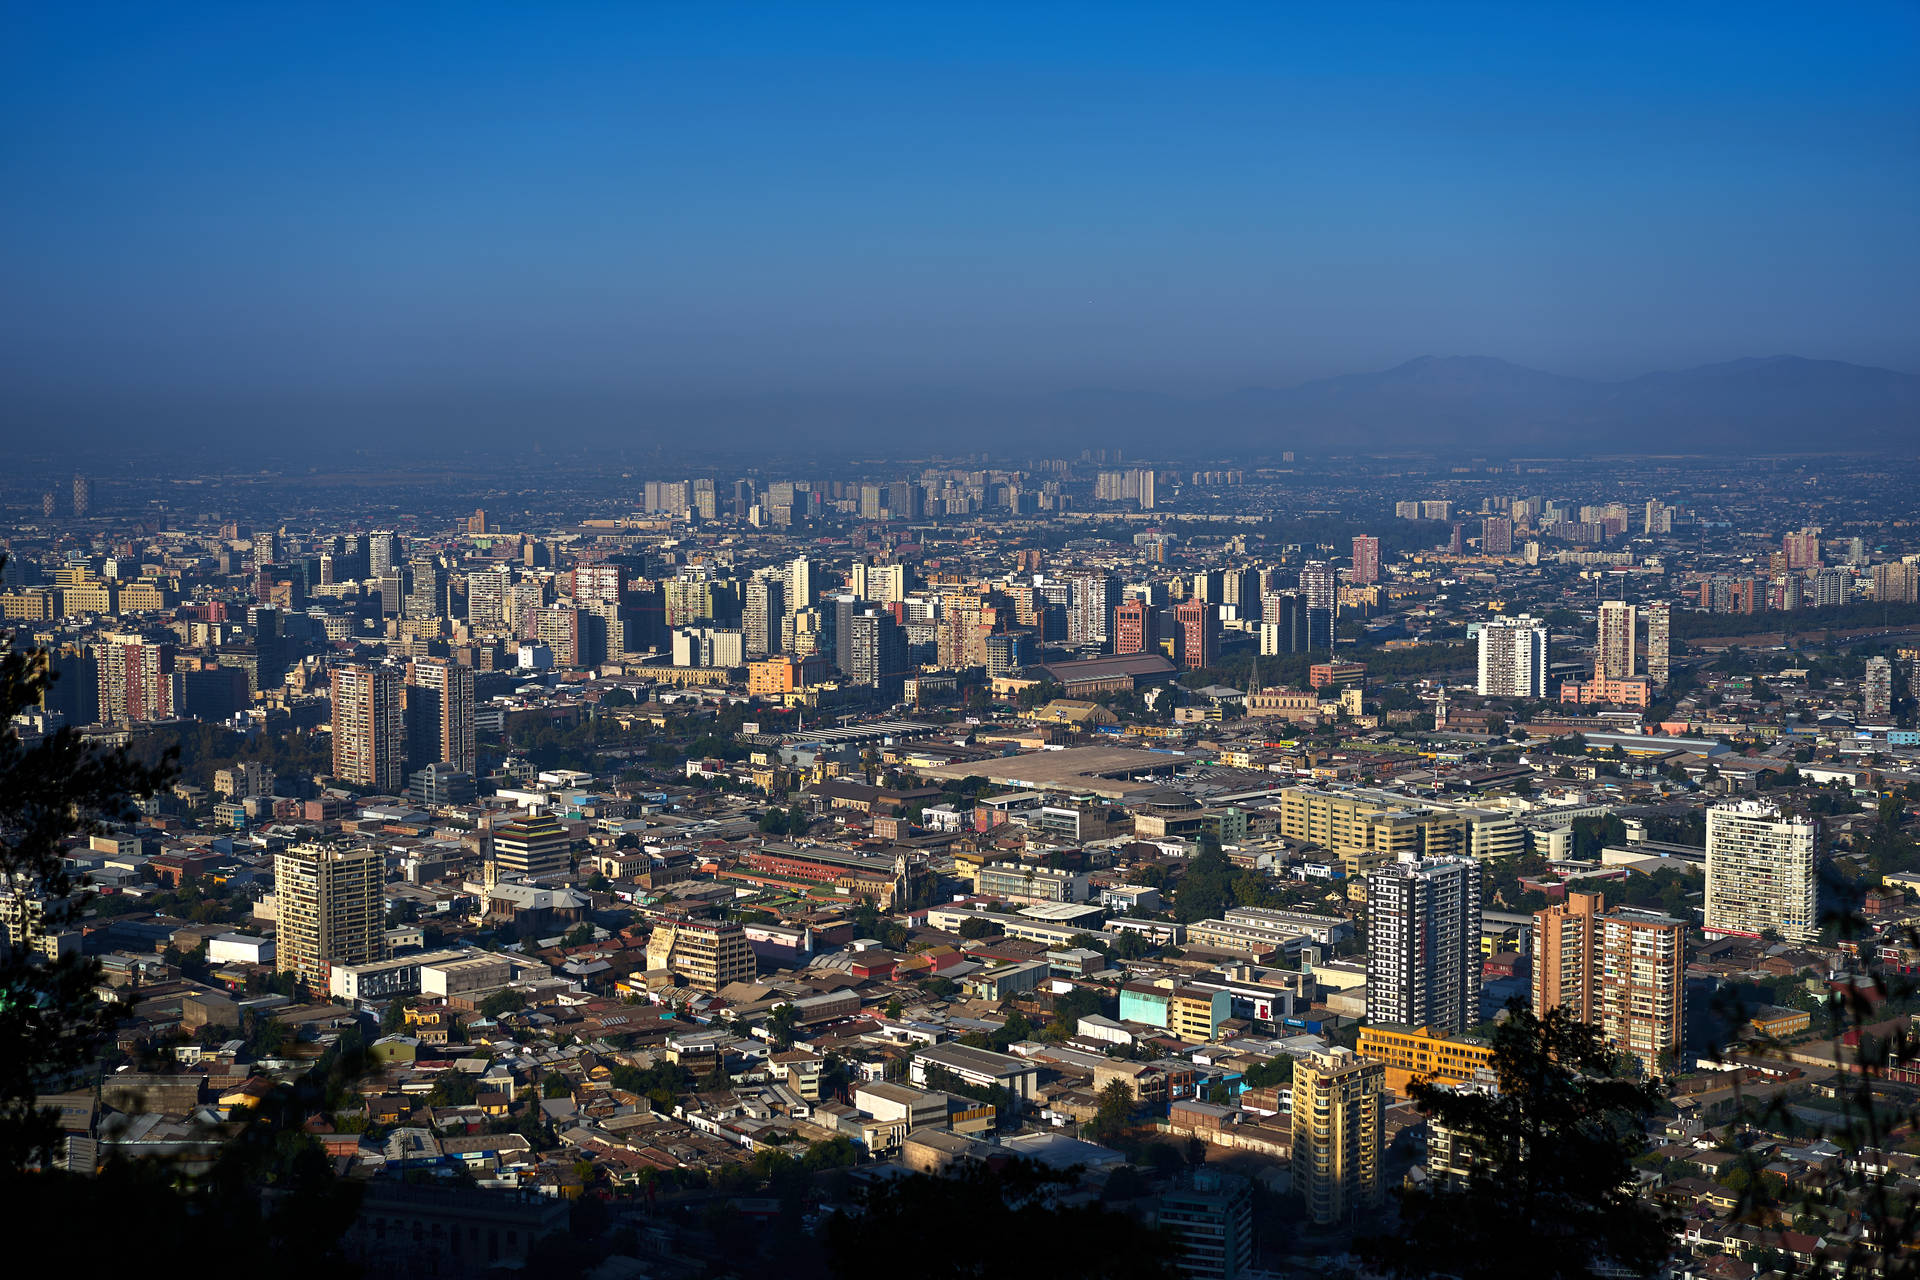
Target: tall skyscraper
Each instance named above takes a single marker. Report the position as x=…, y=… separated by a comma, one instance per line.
x=878, y=649
x=905, y=500
x=1319, y=629
x=82, y=495
x=1195, y=621
x=1496, y=536
x=766, y=605
x=1090, y=613
x=598, y=584
x=1423, y=943
x=383, y=552
x=1136, y=627
x=1564, y=937
x=136, y=679
x=1761, y=872
x=1624, y=970
x=1876, y=690
x=1320, y=585
x=566, y=631
x=1283, y=623
x=427, y=594
x=1896, y=582
x=1337, y=1134
x=1613, y=657
x=1659, y=638
x=1641, y=975
x=1513, y=657
x=880, y=583
x=330, y=909
x=487, y=600
x=439, y=713
x=1366, y=559
x=1802, y=548
x=800, y=584
x=369, y=728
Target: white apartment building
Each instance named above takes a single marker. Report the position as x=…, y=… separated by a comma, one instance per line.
x=1761, y=872
x=1513, y=657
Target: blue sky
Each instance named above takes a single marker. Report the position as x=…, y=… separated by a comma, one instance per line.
x=241, y=203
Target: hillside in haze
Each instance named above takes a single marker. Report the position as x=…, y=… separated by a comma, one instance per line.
x=1449, y=405
x=1783, y=403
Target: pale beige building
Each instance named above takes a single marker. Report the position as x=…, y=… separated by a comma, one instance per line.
x=709, y=954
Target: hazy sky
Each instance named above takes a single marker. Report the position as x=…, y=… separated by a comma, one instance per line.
x=271, y=200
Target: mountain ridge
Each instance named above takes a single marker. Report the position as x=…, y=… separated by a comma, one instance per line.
x=1761, y=403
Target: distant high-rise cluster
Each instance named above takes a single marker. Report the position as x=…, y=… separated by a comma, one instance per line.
x=1136, y=485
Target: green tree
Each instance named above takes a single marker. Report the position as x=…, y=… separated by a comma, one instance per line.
x=1113, y=1120
x=781, y=1021
x=1206, y=889
x=453, y=1089
x=555, y=1085
x=1015, y=1028
x=1550, y=1192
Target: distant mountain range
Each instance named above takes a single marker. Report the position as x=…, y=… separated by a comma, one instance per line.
x=1447, y=405
x=1475, y=403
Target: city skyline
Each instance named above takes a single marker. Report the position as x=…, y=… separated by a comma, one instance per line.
x=1209, y=644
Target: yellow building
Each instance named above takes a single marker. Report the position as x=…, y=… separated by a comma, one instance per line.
x=1779, y=1022
x=92, y=597
x=1387, y=825
x=1195, y=1015
x=142, y=597
x=330, y=907
x=31, y=604
x=708, y=954
x=1337, y=1134
x=780, y=675
x=1421, y=1053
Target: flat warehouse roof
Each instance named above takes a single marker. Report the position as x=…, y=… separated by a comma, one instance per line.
x=1101, y=771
